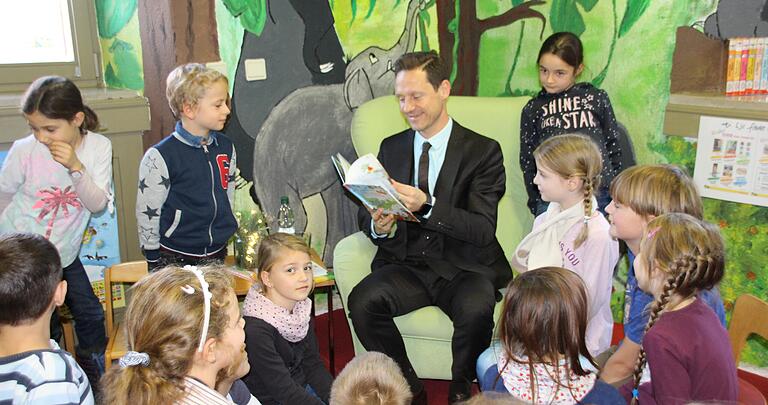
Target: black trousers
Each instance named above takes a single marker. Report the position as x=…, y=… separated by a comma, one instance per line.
x=397, y=289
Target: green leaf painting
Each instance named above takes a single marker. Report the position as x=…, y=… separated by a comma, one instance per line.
x=635, y=9
x=252, y=13
x=564, y=15
x=112, y=15
x=128, y=73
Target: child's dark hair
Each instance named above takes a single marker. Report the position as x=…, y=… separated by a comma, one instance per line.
x=57, y=97
x=691, y=254
x=536, y=304
x=430, y=62
x=30, y=270
x=566, y=46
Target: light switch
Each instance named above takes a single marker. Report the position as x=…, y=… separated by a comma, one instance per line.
x=255, y=69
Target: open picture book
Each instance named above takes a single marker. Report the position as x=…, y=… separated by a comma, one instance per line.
x=367, y=180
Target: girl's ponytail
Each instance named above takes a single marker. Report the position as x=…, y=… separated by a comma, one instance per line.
x=57, y=97
x=91, y=121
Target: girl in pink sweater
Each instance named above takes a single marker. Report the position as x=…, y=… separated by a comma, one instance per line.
x=572, y=233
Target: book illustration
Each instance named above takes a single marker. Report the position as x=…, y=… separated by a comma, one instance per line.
x=367, y=180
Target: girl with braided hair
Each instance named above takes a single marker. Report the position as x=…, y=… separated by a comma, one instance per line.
x=640, y=194
x=685, y=347
x=572, y=233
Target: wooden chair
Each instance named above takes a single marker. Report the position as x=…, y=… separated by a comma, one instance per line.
x=129, y=272
x=750, y=316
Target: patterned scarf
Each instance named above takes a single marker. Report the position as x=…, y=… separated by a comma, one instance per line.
x=293, y=326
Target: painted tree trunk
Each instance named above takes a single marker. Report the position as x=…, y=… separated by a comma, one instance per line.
x=469, y=29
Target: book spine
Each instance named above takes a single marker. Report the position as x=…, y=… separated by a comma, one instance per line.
x=758, y=75
x=764, y=71
x=736, y=72
x=750, y=66
x=744, y=62
x=729, y=72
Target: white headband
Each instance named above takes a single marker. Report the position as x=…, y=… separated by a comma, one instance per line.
x=206, y=299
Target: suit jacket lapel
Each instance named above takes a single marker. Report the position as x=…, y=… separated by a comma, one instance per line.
x=453, y=157
x=403, y=172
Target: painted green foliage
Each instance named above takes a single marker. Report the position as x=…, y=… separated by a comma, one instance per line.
x=129, y=74
x=122, y=68
x=635, y=9
x=569, y=15
x=745, y=230
x=564, y=15
x=112, y=15
x=252, y=13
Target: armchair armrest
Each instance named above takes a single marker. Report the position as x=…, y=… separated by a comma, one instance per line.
x=352, y=259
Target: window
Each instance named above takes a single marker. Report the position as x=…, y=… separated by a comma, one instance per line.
x=48, y=37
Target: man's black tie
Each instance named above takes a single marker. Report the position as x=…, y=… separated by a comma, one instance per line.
x=424, y=168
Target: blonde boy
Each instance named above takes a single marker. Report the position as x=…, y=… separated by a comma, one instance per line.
x=371, y=378
x=184, y=201
x=33, y=368
x=640, y=194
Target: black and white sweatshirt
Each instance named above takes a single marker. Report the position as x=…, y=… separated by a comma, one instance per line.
x=582, y=109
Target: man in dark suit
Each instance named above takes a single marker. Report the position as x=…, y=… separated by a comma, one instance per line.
x=452, y=179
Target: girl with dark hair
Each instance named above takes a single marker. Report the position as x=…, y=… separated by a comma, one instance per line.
x=543, y=356
x=50, y=183
x=564, y=106
x=685, y=346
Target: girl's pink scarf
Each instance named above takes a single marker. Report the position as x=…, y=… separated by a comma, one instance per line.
x=292, y=326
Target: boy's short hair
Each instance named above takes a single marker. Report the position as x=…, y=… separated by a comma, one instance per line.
x=186, y=84
x=657, y=189
x=371, y=378
x=30, y=270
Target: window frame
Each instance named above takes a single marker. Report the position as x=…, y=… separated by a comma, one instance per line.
x=85, y=70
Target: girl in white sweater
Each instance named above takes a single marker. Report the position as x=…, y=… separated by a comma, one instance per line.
x=572, y=234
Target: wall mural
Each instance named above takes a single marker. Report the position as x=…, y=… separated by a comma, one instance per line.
x=118, y=25
x=492, y=46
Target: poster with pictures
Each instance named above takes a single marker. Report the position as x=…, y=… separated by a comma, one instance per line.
x=100, y=249
x=732, y=160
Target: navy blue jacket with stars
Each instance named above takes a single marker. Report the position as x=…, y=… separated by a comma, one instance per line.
x=184, y=201
x=582, y=109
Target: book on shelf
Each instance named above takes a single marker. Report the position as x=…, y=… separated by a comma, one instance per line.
x=367, y=180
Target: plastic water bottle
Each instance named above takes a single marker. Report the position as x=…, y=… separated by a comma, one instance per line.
x=285, y=219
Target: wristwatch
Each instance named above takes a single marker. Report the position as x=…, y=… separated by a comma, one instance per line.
x=76, y=174
x=425, y=207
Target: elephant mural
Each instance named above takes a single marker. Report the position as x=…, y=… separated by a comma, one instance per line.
x=738, y=18
x=292, y=151
x=299, y=47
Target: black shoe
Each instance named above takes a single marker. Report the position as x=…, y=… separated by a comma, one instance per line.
x=459, y=391
x=420, y=398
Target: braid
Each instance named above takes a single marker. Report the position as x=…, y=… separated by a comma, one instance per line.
x=588, y=191
x=669, y=289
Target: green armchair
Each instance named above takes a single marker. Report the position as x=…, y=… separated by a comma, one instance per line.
x=427, y=332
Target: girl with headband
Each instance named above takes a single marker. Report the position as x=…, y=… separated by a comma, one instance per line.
x=185, y=338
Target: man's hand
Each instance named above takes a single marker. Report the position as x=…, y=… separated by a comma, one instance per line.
x=382, y=224
x=412, y=197
x=63, y=153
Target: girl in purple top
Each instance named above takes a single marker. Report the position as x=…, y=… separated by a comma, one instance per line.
x=685, y=346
